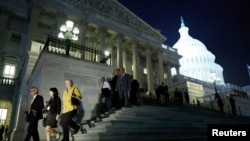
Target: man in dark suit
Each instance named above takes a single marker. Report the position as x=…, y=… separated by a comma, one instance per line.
x=114, y=92
x=35, y=114
x=134, y=91
x=123, y=85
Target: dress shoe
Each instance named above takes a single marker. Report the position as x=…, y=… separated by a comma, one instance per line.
x=75, y=131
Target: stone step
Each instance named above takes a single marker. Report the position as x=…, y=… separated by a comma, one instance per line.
x=152, y=123
x=173, y=122
x=147, y=122
x=166, y=111
x=144, y=120
x=144, y=136
x=148, y=126
x=155, y=128
x=151, y=110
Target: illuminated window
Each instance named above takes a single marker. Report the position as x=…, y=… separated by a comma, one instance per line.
x=3, y=115
x=9, y=71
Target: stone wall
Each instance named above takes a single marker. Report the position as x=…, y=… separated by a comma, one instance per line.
x=52, y=70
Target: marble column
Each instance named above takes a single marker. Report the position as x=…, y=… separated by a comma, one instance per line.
x=135, y=60
x=169, y=76
x=139, y=69
x=149, y=71
x=82, y=37
x=102, y=41
x=83, y=31
x=94, y=45
x=119, y=51
x=35, y=12
x=178, y=74
x=160, y=67
x=112, y=52
x=87, y=45
x=124, y=57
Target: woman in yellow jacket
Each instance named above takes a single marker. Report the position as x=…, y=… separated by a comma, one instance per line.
x=69, y=110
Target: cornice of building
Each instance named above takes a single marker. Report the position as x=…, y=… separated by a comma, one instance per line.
x=113, y=10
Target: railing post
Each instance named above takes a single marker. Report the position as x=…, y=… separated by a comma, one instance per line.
x=67, y=46
x=110, y=59
x=95, y=55
x=46, y=47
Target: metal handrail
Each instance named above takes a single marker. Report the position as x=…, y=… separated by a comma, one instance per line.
x=69, y=48
x=7, y=81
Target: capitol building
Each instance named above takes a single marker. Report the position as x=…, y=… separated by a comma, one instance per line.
x=197, y=61
x=44, y=42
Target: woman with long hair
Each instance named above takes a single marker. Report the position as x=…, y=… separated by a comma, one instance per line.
x=53, y=114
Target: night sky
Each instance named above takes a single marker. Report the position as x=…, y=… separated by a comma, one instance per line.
x=222, y=25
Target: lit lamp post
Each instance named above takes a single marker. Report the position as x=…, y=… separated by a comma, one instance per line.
x=106, y=53
x=68, y=32
x=106, y=57
x=214, y=78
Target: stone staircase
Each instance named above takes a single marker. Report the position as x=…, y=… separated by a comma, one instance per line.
x=155, y=123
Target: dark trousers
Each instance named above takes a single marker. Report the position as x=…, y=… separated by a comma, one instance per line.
x=133, y=97
x=32, y=129
x=115, y=97
x=104, y=107
x=167, y=98
x=123, y=98
x=66, y=121
x=233, y=109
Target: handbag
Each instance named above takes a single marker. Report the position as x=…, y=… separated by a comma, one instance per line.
x=74, y=101
x=44, y=121
x=44, y=118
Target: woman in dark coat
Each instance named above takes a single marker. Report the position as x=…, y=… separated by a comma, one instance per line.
x=53, y=113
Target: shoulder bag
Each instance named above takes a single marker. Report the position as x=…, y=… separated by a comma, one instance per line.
x=74, y=101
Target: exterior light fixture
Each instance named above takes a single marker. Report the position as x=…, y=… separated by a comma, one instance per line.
x=69, y=31
x=106, y=53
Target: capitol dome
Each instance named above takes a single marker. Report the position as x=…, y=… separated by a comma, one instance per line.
x=197, y=62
